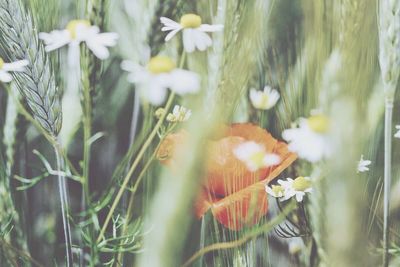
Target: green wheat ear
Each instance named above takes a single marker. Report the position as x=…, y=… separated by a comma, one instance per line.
x=19, y=40
x=10, y=205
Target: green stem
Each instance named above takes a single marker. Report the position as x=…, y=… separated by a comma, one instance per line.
x=62, y=186
x=227, y=245
x=87, y=132
x=87, y=88
x=139, y=156
x=132, y=198
x=134, y=165
x=387, y=178
x=52, y=140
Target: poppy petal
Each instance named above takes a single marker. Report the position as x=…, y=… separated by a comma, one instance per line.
x=227, y=174
x=245, y=207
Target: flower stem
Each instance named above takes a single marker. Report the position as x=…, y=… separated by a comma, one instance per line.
x=387, y=177
x=132, y=198
x=134, y=165
x=132, y=133
x=139, y=156
x=62, y=186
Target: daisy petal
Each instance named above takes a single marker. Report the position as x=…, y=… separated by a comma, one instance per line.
x=202, y=40
x=98, y=50
x=272, y=159
x=184, y=82
x=170, y=23
x=15, y=66
x=156, y=93
x=210, y=28
x=171, y=34
x=5, y=76
x=107, y=38
x=55, y=39
x=188, y=42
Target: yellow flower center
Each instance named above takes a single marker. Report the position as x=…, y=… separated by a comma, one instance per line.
x=318, y=123
x=257, y=159
x=264, y=100
x=73, y=24
x=160, y=64
x=277, y=189
x=190, y=21
x=301, y=183
x=1, y=63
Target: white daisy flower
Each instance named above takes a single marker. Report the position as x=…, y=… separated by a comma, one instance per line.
x=311, y=140
x=76, y=32
x=159, y=75
x=276, y=191
x=254, y=156
x=5, y=68
x=264, y=99
x=179, y=114
x=397, y=134
x=363, y=165
x=296, y=188
x=194, y=33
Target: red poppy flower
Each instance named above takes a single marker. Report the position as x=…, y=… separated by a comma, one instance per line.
x=235, y=195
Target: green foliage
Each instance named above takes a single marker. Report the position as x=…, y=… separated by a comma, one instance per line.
x=121, y=207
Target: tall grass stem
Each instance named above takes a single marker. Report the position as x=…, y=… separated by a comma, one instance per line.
x=62, y=186
x=133, y=167
x=387, y=178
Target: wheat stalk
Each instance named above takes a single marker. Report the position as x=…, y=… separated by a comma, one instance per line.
x=36, y=84
x=389, y=61
x=389, y=44
x=13, y=126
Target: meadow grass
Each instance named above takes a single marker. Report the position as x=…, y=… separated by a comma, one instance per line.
x=131, y=180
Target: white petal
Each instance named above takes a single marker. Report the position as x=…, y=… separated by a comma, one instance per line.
x=201, y=39
x=184, y=82
x=99, y=42
x=167, y=29
x=85, y=33
x=16, y=66
x=5, y=77
x=137, y=73
x=271, y=160
x=98, y=50
x=210, y=28
x=299, y=196
x=176, y=109
x=188, y=41
x=55, y=39
x=245, y=150
x=253, y=95
x=171, y=34
x=273, y=98
x=129, y=65
x=107, y=38
x=270, y=191
x=306, y=143
x=156, y=92
x=170, y=23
